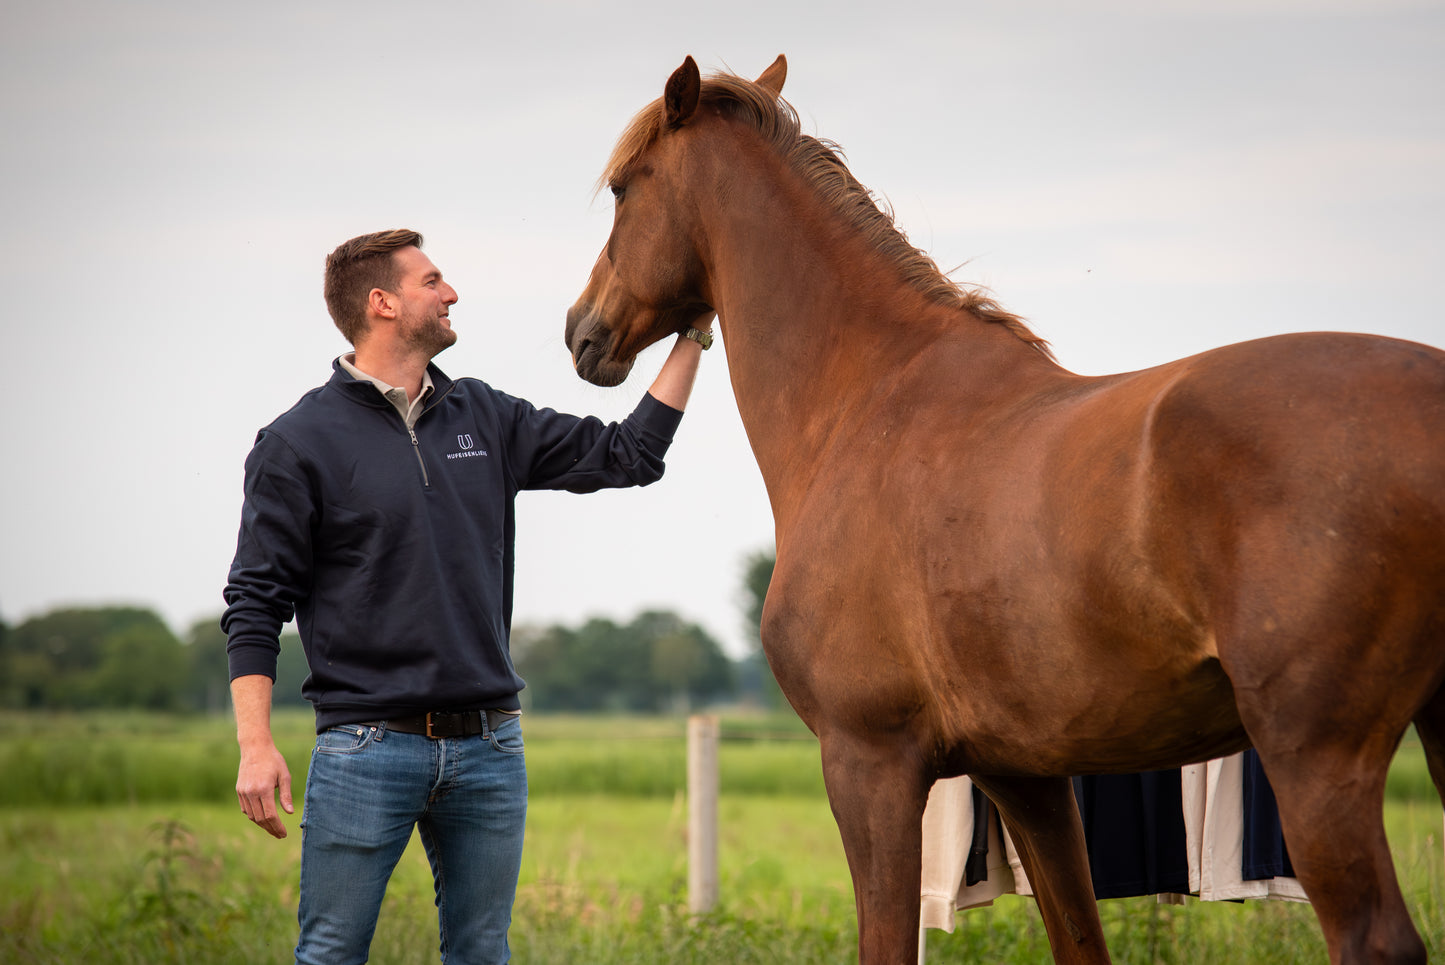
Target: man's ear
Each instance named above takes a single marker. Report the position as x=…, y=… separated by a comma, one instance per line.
x=381, y=302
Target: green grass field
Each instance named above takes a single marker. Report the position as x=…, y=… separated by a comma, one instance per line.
x=122, y=843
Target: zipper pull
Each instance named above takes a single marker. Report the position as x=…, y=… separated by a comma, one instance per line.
x=416, y=448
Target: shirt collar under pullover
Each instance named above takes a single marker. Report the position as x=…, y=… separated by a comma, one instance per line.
x=396, y=395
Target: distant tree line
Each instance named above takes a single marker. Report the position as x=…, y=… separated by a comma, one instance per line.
x=95, y=658
x=98, y=658
x=656, y=663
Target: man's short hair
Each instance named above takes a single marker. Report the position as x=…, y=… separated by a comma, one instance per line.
x=355, y=268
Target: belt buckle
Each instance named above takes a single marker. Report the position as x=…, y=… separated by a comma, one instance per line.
x=428, y=727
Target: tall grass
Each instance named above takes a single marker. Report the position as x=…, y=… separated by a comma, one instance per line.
x=603, y=883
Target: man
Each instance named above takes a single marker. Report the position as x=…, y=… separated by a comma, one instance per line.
x=379, y=511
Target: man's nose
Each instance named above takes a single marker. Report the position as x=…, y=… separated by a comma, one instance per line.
x=450, y=296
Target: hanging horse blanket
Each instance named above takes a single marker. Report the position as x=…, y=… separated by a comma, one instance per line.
x=1211, y=829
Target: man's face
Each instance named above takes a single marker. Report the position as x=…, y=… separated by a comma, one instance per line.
x=425, y=301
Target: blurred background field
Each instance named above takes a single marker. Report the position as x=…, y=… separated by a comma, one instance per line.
x=123, y=843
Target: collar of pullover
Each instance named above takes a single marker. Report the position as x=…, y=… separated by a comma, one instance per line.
x=366, y=392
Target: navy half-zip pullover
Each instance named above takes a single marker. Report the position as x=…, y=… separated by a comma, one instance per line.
x=393, y=548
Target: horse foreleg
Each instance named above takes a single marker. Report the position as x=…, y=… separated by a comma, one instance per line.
x=877, y=792
x=1043, y=818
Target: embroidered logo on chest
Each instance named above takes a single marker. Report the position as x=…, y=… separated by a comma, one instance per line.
x=465, y=445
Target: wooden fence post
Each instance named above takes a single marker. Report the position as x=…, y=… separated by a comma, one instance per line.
x=702, y=790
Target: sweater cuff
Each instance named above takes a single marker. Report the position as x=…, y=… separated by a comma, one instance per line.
x=658, y=418
x=247, y=659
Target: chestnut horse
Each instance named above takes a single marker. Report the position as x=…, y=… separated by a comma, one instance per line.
x=989, y=565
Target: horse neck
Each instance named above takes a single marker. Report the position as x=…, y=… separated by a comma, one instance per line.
x=816, y=324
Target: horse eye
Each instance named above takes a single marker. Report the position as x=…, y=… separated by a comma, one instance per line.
x=618, y=191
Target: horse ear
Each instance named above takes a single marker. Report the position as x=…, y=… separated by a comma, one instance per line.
x=772, y=78
x=680, y=97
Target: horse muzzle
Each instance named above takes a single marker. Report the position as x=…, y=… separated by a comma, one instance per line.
x=590, y=342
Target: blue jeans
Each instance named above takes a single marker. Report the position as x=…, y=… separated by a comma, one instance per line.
x=367, y=789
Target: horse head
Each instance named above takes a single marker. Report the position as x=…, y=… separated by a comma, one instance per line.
x=650, y=280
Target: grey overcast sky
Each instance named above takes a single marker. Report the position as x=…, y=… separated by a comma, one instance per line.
x=1142, y=179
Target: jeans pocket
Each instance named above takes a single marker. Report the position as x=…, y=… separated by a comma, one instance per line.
x=345, y=739
x=508, y=737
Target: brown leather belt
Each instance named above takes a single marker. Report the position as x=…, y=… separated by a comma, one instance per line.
x=439, y=725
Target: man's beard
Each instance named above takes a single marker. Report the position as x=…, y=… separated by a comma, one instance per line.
x=432, y=336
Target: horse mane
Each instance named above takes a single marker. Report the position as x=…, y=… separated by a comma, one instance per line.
x=820, y=163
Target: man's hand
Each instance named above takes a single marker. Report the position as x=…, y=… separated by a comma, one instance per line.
x=263, y=772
